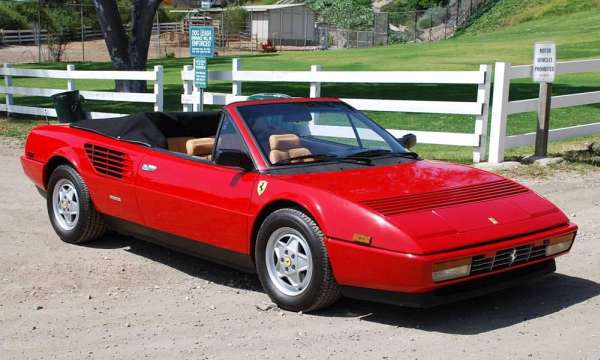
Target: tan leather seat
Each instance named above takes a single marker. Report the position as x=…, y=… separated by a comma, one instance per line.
x=178, y=144
x=287, y=146
x=202, y=147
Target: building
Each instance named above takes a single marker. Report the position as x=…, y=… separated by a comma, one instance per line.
x=291, y=24
x=281, y=24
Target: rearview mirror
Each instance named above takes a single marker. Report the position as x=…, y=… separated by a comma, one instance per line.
x=408, y=141
x=234, y=158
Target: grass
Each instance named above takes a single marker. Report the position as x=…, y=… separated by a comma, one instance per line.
x=575, y=35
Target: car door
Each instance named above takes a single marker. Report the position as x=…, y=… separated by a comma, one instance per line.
x=109, y=168
x=198, y=199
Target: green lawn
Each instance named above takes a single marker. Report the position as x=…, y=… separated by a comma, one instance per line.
x=576, y=35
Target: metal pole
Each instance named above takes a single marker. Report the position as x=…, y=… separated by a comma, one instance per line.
x=416, y=19
x=457, y=13
x=430, y=24
x=39, y=39
x=543, y=123
x=446, y=22
x=158, y=32
x=82, y=31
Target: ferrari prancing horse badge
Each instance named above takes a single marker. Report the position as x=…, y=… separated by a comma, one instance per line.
x=262, y=186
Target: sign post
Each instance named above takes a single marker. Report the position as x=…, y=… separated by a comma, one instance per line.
x=202, y=47
x=544, y=72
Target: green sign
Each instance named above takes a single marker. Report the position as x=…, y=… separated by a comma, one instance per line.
x=201, y=73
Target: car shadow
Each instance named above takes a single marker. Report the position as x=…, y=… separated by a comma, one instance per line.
x=535, y=299
x=494, y=311
x=191, y=265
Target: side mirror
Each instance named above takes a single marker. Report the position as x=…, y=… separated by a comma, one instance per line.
x=408, y=141
x=234, y=158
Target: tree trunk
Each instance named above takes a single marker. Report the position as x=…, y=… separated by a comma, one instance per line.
x=127, y=52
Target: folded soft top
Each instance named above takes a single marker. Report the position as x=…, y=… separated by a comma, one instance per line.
x=153, y=128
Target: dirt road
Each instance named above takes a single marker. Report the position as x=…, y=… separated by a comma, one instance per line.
x=123, y=298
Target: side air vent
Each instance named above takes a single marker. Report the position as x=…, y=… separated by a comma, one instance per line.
x=107, y=161
x=442, y=198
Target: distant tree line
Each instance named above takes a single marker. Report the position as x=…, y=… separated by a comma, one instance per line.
x=15, y=15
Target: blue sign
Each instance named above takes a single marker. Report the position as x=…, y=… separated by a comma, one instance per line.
x=201, y=73
x=202, y=41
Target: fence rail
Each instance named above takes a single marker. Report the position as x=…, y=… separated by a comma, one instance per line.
x=504, y=73
x=28, y=36
x=71, y=76
x=315, y=77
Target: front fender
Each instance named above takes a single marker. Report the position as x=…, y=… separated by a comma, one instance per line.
x=337, y=217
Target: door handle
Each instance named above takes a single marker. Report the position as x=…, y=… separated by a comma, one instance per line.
x=149, y=167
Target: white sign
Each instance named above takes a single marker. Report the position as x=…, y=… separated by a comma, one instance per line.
x=205, y=4
x=544, y=62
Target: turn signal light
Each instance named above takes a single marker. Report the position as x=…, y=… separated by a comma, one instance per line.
x=451, y=269
x=560, y=244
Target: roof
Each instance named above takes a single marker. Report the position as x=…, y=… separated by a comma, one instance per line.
x=249, y=8
x=263, y=8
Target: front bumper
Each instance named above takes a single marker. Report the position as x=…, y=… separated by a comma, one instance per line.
x=364, y=270
x=457, y=292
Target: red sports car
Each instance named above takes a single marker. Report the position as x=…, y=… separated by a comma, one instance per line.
x=310, y=194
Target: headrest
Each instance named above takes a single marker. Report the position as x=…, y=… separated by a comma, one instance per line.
x=200, y=147
x=284, y=142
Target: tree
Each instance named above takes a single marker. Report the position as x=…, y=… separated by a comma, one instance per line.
x=127, y=51
x=62, y=27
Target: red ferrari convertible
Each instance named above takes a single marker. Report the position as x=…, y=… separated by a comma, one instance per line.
x=310, y=194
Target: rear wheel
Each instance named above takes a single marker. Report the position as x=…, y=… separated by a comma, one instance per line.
x=70, y=208
x=292, y=262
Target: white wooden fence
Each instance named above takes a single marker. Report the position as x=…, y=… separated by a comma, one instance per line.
x=315, y=77
x=504, y=73
x=71, y=75
x=28, y=36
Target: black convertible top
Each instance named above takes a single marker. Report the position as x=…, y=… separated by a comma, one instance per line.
x=153, y=128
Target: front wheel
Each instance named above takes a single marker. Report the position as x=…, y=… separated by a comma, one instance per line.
x=70, y=207
x=292, y=262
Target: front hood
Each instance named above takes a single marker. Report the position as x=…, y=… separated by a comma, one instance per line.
x=440, y=206
x=368, y=183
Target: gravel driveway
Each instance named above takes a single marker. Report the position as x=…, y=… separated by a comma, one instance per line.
x=123, y=298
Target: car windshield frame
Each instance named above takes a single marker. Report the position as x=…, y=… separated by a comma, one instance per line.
x=353, y=115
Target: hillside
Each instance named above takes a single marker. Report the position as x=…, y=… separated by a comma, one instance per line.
x=506, y=13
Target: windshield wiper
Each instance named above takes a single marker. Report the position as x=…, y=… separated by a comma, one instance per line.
x=316, y=157
x=326, y=157
x=381, y=152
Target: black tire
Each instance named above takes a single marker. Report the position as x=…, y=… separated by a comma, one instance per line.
x=322, y=289
x=89, y=224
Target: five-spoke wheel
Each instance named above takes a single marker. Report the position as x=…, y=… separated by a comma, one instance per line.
x=72, y=213
x=292, y=262
x=66, y=204
x=289, y=261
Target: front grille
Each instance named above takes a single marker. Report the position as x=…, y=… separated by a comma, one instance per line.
x=448, y=197
x=107, y=161
x=508, y=257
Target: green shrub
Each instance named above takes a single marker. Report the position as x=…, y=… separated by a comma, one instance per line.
x=11, y=19
x=234, y=19
x=432, y=17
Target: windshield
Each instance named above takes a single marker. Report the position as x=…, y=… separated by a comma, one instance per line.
x=316, y=131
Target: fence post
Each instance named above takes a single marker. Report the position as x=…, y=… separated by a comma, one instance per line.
x=188, y=88
x=481, y=121
x=158, y=88
x=8, y=82
x=315, y=87
x=236, y=86
x=71, y=82
x=499, y=112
